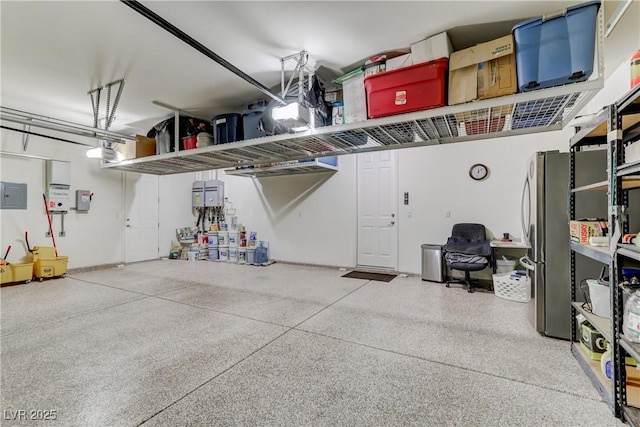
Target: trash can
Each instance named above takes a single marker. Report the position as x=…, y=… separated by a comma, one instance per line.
x=432, y=263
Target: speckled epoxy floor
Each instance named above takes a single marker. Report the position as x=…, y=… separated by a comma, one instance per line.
x=167, y=343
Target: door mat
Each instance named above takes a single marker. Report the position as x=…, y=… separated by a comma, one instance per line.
x=380, y=277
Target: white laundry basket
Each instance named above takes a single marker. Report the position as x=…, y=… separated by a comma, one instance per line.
x=514, y=286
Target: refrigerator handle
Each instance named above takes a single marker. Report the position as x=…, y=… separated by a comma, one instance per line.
x=525, y=231
x=526, y=262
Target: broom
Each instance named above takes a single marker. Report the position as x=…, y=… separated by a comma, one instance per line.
x=50, y=227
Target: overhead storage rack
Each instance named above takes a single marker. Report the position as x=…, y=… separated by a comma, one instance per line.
x=523, y=113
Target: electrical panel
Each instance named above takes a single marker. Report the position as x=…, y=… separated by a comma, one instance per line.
x=14, y=195
x=214, y=193
x=83, y=200
x=197, y=194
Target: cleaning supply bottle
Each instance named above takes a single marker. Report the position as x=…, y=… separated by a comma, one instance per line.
x=631, y=320
x=605, y=363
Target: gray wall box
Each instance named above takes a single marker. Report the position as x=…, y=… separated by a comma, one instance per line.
x=83, y=200
x=14, y=196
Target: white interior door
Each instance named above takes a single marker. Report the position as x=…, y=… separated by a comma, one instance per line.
x=377, y=209
x=141, y=220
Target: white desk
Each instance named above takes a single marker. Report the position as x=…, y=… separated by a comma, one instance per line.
x=497, y=244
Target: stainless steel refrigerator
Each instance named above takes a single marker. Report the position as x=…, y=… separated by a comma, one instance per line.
x=545, y=225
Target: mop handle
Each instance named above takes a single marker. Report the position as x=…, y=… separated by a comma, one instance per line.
x=50, y=227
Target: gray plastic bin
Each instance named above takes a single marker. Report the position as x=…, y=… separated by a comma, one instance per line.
x=432, y=263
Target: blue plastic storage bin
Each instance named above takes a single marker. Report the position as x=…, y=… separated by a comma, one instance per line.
x=556, y=49
x=250, y=119
x=228, y=128
x=330, y=160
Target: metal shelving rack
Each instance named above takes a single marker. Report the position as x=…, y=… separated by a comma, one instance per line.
x=523, y=113
x=288, y=168
x=623, y=128
x=605, y=388
x=615, y=126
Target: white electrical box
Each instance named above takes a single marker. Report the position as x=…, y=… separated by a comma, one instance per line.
x=214, y=193
x=58, y=185
x=197, y=194
x=58, y=198
x=58, y=172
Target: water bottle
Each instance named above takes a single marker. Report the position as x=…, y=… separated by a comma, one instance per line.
x=631, y=321
x=262, y=258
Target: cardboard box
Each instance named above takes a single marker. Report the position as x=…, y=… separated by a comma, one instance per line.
x=399, y=62
x=580, y=230
x=633, y=386
x=333, y=96
x=141, y=147
x=432, y=48
x=483, y=71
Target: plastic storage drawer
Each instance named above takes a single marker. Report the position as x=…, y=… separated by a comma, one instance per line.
x=407, y=89
x=228, y=128
x=556, y=49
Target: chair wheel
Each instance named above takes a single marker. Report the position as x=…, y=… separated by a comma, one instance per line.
x=447, y=285
x=470, y=290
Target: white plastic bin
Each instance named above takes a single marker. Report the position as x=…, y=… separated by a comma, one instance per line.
x=505, y=265
x=599, y=296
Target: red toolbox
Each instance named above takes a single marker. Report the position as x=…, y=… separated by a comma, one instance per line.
x=413, y=88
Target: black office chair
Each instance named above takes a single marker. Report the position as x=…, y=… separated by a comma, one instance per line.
x=467, y=250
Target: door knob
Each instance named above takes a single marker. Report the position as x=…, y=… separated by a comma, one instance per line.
x=392, y=223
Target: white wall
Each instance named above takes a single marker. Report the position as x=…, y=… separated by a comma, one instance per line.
x=313, y=218
x=307, y=218
x=92, y=238
x=174, y=208
x=437, y=180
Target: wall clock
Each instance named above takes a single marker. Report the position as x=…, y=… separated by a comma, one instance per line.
x=478, y=171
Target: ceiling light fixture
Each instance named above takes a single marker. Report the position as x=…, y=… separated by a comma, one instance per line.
x=293, y=116
x=106, y=154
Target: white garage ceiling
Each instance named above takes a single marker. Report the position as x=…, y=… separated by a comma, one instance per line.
x=53, y=52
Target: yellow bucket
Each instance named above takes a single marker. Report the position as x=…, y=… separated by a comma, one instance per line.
x=46, y=264
x=10, y=273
